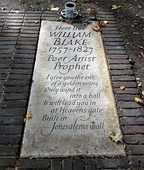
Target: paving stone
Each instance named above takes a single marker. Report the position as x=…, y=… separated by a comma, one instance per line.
x=21, y=66
x=132, y=120
x=135, y=129
x=23, y=61
x=114, y=47
x=8, y=150
x=112, y=36
x=19, y=77
x=10, y=139
x=123, y=78
x=121, y=72
x=111, y=32
x=130, y=84
x=13, y=104
x=23, y=51
x=8, y=161
x=15, y=96
x=18, y=83
x=24, y=56
x=4, y=42
x=125, y=97
x=11, y=120
x=126, y=91
x=27, y=35
x=78, y=164
x=6, y=51
x=34, y=163
x=67, y=164
x=112, y=163
x=56, y=164
x=114, y=61
x=112, y=52
x=8, y=39
x=141, y=161
x=120, y=66
x=113, y=43
x=128, y=105
x=21, y=71
x=136, y=149
x=134, y=139
x=90, y=164
x=131, y=112
x=13, y=112
x=29, y=47
x=16, y=89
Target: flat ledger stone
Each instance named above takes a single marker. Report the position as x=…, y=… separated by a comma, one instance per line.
x=71, y=99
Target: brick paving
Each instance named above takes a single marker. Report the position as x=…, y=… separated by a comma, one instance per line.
x=19, y=31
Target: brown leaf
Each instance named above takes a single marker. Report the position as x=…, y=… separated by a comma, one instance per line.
x=96, y=28
x=69, y=21
x=141, y=47
x=103, y=23
x=28, y=116
x=142, y=54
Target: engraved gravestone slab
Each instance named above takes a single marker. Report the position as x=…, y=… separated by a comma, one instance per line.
x=71, y=98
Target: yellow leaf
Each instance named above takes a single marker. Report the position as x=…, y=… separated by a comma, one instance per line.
x=138, y=100
x=115, y=138
x=143, y=92
x=28, y=116
x=122, y=87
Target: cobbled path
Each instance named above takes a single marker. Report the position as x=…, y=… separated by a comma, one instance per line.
x=19, y=32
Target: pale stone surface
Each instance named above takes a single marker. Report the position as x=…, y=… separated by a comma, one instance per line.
x=71, y=100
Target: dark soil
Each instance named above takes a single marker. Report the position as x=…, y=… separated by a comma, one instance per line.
x=130, y=20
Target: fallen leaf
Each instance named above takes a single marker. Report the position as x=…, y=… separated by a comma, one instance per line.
x=137, y=79
x=143, y=92
x=103, y=23
x=30, y=157
x=4, y=8
x=36, y=22
x=115, y=7
x=96, y=28
x=131, y=61
x=54, y=8
x=138, y=100
x=122, y=87
x=135, y=33
x=139, y=84
x=28, y=116
x=141, y=47
x=69, y=21
x=142, y=54
x=115, y=138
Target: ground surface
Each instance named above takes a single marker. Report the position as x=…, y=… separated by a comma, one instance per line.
x=17, y=70
x=130, y=19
